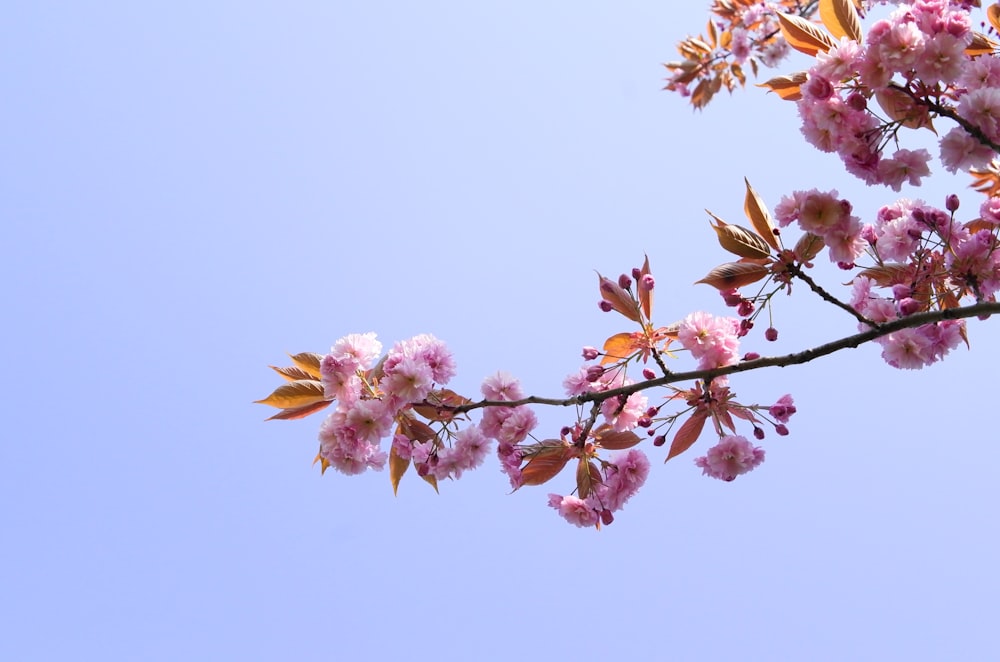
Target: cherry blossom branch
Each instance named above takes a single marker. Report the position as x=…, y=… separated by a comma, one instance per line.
x=944, y=111
x=796, y=271
x=796, y=358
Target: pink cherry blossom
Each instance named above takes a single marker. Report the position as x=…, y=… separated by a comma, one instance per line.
x=732, y=456
x=574, y=510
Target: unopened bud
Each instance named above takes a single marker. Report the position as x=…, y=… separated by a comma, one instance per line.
x=648, y=374
x=605, y=305
x=590, y=353
x=594, y=373
x=781, y=429
x=745, y=309
x=751, y=356
x=636, y=273
x=644, y=422
x=857, y=101
x=607, y=517
x=732, y=298
x=624, y=282
x=659, y=441
x=951, y=203
x=758, y=433
x=908, y=306
x=771, y=334
x=647, y=283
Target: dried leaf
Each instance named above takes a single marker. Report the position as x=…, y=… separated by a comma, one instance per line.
x=787, y=87
x=300, y=393
x=299, y=412
x=740, y=241
x=608, y=438
x=546, y=462
x=841, y=19
x=308, y=361
x=803, y=36
x=688, y=434
x=734, y=275
x=760, y=217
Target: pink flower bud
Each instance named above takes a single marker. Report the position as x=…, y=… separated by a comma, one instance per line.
x=590, y=353
x=648, y=374
x=857, y=101
x=751, y=356
x=771, y=334
x=951, y=203
x=908, y=306
x=636, y=273
x=624, y=282
x=659, y=441
x=781, y=429
x=745, y=309
x=647, y=283
x=605, y=305
x=758, y=433
x=607, y=517
x=594, y=373
x=644, y=422
x=732, y=298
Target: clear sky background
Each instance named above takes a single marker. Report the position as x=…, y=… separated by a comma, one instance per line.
x=190, y=190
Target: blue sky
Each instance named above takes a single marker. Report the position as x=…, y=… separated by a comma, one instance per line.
x=190, y=190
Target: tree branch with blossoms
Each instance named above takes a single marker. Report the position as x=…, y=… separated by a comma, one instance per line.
x=917, y=273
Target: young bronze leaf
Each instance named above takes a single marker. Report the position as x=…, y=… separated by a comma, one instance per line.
x=760, y=217
x=787, y=87
x=415, y=430
x=431, y=480
x=993, y=15
x=901, y=108
x=397, y=467
x=546, y=462
x=439, y=403
x=291, y=373
x=981, y=45
x=688, y=434
x=324, y=464
x=308, y=361
x=841, y=19
x=587, y=476
x=645, y=296
x=618, y=347
x=887, y=275
x=734, y=275
x=299, y=412
x=808, y=246
x=620, y=300
x=740, y=241
x=616, y=441
x=299, y=393
x=803, y=36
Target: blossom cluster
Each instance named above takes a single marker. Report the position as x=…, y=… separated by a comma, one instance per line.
x=913, y=63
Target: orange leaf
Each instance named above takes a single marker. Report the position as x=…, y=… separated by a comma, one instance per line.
x=397, y=467
x=615, y=441
x=841, y=19
x=981, y=45
x=739, y=240
x=645, y=296
x=760, y=217
x=414, y=430
x=587, y=475
x=546, y=462
x=618, y=347
x=299, y=393
x=308, y=361
x=803, y=36
x=688, y=434
x=787, y=87
x=901, y=108
x=808, y=246
x=291, y=373
x=993, y=15
x=734, y=275
x=620, y=300
x=299, y=412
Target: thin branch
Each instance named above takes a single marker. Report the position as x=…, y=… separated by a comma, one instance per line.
x=805, y=356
